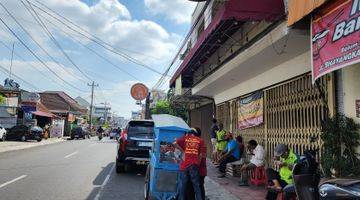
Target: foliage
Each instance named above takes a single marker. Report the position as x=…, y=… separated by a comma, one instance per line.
x=166, y=107
x=106, y=125
x=2, y=99
x=341, y=139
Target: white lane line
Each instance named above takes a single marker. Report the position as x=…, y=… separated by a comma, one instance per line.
x=71, y=154
x=12, y=181
x=104, y=183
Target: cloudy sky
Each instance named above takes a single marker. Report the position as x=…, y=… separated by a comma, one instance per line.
x=103, y=44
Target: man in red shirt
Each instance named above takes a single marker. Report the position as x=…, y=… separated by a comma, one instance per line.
x=191, y=147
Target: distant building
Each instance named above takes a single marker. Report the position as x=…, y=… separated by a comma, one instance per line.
x=64, y=106
x=82, y=102
x=102, y=111
x=135, y=115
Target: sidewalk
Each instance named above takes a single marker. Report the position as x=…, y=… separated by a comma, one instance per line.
x=14, y=145
x=227, y=188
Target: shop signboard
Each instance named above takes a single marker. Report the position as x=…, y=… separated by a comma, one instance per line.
x=250, y=111
x=30, y=97
x=335, y=37
x=57, y=128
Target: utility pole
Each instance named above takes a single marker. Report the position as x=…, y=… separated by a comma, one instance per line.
x=147, y=106
x=11, y=62
x=92, y=85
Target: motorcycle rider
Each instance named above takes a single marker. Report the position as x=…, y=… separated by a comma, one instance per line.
x=100, y=130
x=282, y=180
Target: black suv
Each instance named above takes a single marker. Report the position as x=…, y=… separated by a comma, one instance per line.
x=78, y=132
x=134, y=144
x=24, y=133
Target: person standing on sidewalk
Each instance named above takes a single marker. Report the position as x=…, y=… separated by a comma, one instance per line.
x=202, y=172
x=257, y=153
x=214, y=128
x=230, y=154
x=220, y=142
x=191, y=147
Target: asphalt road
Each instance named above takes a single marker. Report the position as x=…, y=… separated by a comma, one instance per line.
x=77, y=169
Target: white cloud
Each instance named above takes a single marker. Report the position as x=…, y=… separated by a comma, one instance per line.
x=109, y=20
x=176, y=10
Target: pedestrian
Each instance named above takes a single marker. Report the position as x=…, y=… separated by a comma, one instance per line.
x=202, y=171
x=241, y=145
x=214, y=128
x=257, y=153
x=230, y=154
x=191, y=148
x=285, y=159
x=220, y=142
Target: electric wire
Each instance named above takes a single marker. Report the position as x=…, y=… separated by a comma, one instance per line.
x=16, y=76
x=52, y=38
x=34, y=67
x=36, y=42
x=84, y=30
x=102, y=43
x=36, y=56
x=91, y=50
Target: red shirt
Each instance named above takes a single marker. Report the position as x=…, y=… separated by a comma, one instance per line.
x=202, y=167
x=192, y=148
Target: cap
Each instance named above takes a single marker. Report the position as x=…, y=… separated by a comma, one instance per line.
x=192, y=131
x=280, y=149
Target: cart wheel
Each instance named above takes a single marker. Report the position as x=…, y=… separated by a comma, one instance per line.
x=147, y=184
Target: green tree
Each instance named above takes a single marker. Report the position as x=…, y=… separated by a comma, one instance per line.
x=166, y=107
x=2, y=99
x=341, y=138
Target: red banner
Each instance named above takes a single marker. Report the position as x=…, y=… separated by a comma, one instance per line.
x=335, y=38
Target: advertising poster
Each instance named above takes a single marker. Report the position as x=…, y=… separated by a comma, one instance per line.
x=335, y=37
x=250, y=111
x=57, y=128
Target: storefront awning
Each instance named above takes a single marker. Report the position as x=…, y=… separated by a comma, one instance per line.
x=43, y=114
x=300, y=8
x=233, y=11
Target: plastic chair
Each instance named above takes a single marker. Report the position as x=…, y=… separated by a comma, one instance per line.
x=258, y=176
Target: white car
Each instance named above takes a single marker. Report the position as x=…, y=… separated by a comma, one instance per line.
x=2, y=133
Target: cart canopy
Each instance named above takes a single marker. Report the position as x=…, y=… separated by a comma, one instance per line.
x=169, y=122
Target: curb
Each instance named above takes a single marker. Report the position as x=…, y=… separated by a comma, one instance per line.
x=30, y=146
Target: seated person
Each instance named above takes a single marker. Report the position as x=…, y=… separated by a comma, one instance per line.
x=230, y=154
x=257, y=153
x=239, y=140
x=282, y=180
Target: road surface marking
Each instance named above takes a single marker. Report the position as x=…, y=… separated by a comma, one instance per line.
x=71, y=154
x=104, y=183
x=12, y=181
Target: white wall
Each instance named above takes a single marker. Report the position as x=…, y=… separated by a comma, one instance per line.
x=351, y=86
x=287, y=70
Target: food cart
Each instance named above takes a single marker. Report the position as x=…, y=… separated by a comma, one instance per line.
x=162, y=175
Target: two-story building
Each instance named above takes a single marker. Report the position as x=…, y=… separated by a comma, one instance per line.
x=249, y=64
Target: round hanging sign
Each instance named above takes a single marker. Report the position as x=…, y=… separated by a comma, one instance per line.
x=139, y=91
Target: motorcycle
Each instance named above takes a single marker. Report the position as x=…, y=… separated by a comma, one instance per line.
x=100, y=136
x=306, y=175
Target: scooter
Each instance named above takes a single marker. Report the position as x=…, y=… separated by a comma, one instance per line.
x=306, y=174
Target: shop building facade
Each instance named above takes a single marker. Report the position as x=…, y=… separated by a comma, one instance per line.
x=269, y=57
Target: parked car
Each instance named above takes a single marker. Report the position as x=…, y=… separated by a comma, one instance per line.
x=134, y=144
x=78, y=132
x=2, y=133
x=24, y=133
